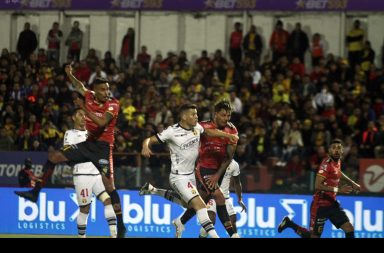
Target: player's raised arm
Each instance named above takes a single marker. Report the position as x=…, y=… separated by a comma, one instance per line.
x=78, y=84
x=147, y=143
x=218, y=133
x=355, y=186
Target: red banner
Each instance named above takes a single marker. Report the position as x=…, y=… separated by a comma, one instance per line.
x=372, y=175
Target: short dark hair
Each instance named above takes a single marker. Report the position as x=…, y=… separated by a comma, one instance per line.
x=336, y=141
x=100, y=80
x=75, y=110
x=223, y=105
x=185, y=107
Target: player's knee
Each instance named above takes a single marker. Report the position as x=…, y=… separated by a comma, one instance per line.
x=56, y=157
x=347, y=227
x=85, y=209
x=105, y=198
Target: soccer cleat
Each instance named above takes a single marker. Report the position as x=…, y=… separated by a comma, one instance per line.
x=283, y=224
x=179, y=227
x=30, y=195
x=146, y=189
x=121, y=231
x=235, y=235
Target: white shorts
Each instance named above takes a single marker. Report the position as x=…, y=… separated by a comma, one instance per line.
x=211, y=206
x=85, y=185
x=184, y=185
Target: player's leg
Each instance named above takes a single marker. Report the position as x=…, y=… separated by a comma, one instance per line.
x=54, y=157
x=169, y=194
x=339, y=218
x=102, y=157
x=99, y=190
x=222, y=212
x=83, y=188
x=231, y=213
x=288, y=223
x=211, y=208
x=184, y=185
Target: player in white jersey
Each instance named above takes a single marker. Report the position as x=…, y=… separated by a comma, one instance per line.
x=87, y=179
x=183, y=140
x=233, y=171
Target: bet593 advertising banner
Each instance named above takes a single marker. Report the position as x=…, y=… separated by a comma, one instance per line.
x=151, y=216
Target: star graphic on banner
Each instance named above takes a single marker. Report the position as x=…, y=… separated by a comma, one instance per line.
x=209, y=3
x=300, y=4
x=115, y=3
x=24, y=3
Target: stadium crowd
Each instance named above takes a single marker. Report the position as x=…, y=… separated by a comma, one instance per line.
x=286, y=110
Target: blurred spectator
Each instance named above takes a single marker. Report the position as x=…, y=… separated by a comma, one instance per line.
x=54, y=39
x=144, y=58
x=127, y=52
x=27, y=42
x=317, y=49
x=235, y=44
x=6, y=141
x=278, y=42
x=298, y=43
x=355, y=44
x=74, y=41
x=253, y=46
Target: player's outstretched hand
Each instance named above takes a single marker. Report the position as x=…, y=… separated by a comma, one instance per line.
x=356, y=188
x=243, y=207
x=346, y=189
x=68, y=69
x=233, y=138
x=146, y=151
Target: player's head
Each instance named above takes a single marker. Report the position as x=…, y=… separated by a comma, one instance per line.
x=222, y=114
x=78, y=117
x=336, y=149
x=188, y=115
x=101, y=89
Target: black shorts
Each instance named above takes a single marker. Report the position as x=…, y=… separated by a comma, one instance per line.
x=201, y=174
x=320, y=214
x=97, y=152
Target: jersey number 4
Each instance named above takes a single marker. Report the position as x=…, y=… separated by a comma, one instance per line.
x=84, y=193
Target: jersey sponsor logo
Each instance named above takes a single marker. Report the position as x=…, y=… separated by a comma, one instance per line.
x=110, y=108
x=189, y=143
x=321, y=171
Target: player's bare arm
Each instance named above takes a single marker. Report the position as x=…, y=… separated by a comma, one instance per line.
x=78, y=84
x=319, y=185
x=212, y=180
x=147, y=143
x=218, y=133
x=100, y=122
x=355, y=186
x=239, y=192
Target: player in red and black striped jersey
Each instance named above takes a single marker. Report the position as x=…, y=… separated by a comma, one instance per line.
x=324, y=205
x=101, y=113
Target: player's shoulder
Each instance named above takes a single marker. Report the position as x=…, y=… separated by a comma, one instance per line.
x=206, y=123
x=230, y=128
x=70, y=132
x=325, y=163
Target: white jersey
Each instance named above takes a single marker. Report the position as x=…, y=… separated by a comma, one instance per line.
x=75, y=136
x=233, y=170
x=183, y=145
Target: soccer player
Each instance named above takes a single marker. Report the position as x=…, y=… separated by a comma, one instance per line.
x=101, y=113
x=215, y=155
x=233, y=171
x=183, y=140
x=324, y=205
x=87, y=180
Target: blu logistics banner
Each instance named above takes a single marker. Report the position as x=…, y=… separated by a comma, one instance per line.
x=151, y=216
x=195, y=5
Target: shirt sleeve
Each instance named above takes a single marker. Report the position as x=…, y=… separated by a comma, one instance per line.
x=236, y=170
x=67, y=138
x=165, y=135
x=199, y=128
x=322, y=172
x=113, y=108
